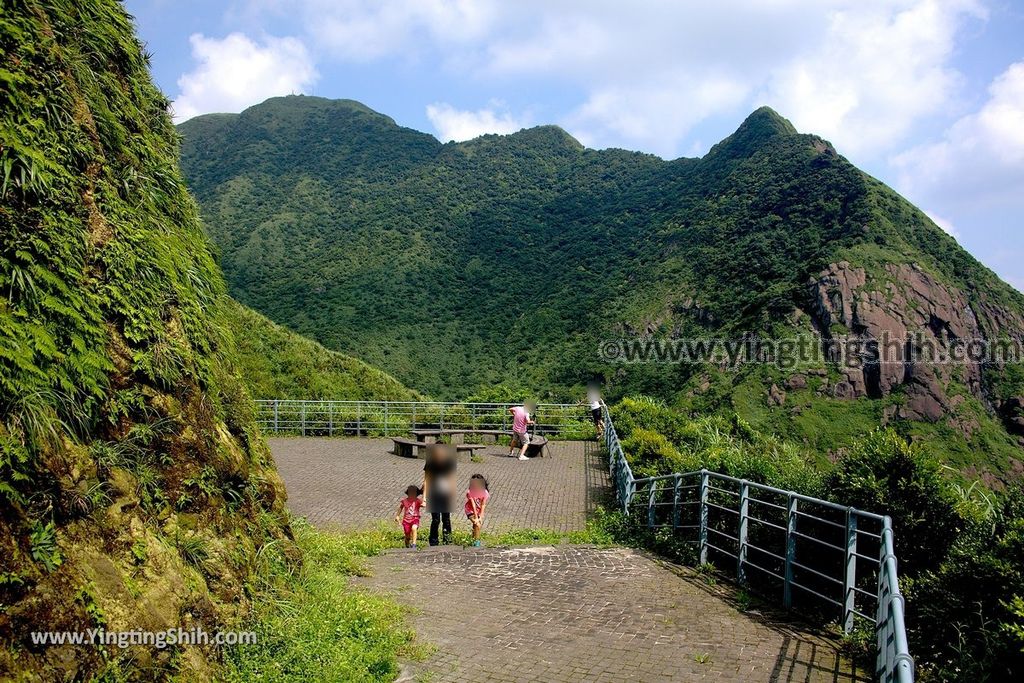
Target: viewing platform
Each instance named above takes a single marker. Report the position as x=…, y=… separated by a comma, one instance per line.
x=550, y=613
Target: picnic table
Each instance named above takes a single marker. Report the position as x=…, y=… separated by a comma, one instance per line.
x=431, y=435
x=407, y=448
x=425, y=437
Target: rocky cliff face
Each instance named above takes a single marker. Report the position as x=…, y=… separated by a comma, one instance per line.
x=911, y=317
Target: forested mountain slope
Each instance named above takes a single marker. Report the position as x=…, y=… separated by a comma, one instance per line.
x=274, y=362
x=135, y=492
x=506, y=259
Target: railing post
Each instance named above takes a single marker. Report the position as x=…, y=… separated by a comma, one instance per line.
x=787, y=588
x=677, y=491
x=330, y=418
x=703, y=536
x=359, y=419
x=303, y=419
x=741, y=550
x=441, y=417
x=883, y=622
x=385, y=418
x=414, y=416
x=850, y=576
x=275, y=415
x=893, y=662
x=650, y=505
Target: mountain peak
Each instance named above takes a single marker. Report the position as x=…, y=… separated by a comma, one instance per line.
x=767, y=120
x=763, y=125
x=303, y=104
x=550, y=134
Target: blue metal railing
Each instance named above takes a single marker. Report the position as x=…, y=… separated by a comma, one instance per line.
x=386, y=418
x=811, y=548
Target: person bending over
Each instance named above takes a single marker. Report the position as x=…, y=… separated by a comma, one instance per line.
x=476, y=502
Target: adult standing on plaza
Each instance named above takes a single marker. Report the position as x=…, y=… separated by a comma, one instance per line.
x=438, y=489
x=521, y=420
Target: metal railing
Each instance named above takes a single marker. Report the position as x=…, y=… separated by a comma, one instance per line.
x=810, y=550
x=389, y=418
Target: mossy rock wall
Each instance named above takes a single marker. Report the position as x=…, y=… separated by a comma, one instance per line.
x=135, y=489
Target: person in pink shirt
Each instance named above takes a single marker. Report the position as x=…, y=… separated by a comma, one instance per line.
x=476, y=502
x=409, y=514
x=520, y=422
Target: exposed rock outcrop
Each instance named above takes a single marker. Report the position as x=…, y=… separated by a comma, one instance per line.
x=903, y=322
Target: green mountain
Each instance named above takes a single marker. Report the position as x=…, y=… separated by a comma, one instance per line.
x=508, y=259
x=274, y=362
x=136, y=493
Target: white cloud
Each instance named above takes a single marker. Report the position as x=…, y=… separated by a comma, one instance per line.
x=235, y=72
x=644, y=74
x=456, y=124
x=878, y=68
x=980, y=158
x=364, y=30
x=653, y=115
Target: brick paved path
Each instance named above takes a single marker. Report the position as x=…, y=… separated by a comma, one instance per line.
x=547, y=614
x=573, y=613
x=352, y=483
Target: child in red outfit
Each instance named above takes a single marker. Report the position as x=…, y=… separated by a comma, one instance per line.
x=476, y=502
x=409, y=514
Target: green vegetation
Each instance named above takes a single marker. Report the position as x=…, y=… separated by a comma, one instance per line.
x=497, y=265
x=456, y=267
x=276, y=363
x=308, y=618
x=660, y=440
x=960, y=548
x=118, y=385
x=826, y=426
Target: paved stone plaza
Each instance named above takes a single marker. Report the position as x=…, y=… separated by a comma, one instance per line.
x=351, y=483
x=547, y=614
x=572, y=613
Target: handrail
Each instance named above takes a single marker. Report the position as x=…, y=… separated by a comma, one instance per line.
x=386, y=418
x=667, y=499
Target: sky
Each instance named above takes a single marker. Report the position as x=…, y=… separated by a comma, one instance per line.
x=926, y=95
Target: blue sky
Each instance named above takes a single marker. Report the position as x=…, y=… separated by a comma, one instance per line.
x=927, y=95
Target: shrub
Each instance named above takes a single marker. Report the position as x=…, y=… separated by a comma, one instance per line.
x=660, y=440
x=884, y=473
x=648, y=413
x=651, y=454
x=309, y=617
x=965, y=618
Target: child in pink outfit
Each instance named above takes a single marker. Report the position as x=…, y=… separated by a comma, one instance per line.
x=476, y=502
x=409, y=514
